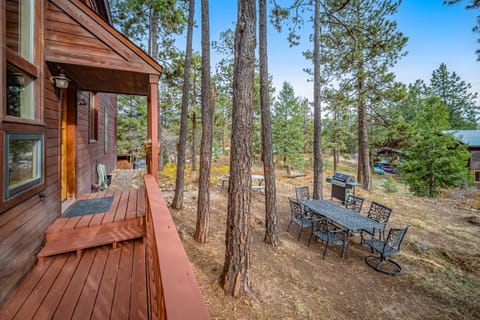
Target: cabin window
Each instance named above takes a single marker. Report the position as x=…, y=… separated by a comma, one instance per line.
x=93, y=118
x=105, y=140
x=19, y=94
x=23, y=162
x=476, y=176
x=19, y=20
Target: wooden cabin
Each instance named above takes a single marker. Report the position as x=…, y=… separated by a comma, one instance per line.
x=471, y=138
x=62, y=66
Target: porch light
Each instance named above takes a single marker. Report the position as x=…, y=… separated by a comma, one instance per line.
x=60, y=81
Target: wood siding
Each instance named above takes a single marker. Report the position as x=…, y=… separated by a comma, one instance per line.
x=22, y=228
x=89, y=154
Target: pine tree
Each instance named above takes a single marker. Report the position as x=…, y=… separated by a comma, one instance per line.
x=455, y=94
x=433, y=159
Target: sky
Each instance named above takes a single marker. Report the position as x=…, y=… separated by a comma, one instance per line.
x=437, y=34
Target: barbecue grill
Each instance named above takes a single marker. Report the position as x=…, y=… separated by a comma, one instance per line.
x=341, y=182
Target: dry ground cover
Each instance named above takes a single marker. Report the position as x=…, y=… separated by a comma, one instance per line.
x=440, y=257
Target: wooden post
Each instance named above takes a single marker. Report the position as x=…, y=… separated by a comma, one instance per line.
x=152, y=129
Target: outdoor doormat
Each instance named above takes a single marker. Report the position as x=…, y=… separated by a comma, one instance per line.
x=89, y=206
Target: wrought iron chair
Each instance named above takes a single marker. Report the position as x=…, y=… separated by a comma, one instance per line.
x=321, y=230
x=379, y=213
x=302, y=218
x=354, y=203
x=302, y=193
x=386, y=248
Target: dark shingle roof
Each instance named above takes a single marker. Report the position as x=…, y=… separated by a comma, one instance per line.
x=470, y=137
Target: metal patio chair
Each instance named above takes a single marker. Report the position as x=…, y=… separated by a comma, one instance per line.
x=302, y=218
x=322, y=231
x=302, y=193
x=379, y=213
x=354, y=203
x=391, y=245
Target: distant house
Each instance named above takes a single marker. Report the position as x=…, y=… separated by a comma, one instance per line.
x=472, y=139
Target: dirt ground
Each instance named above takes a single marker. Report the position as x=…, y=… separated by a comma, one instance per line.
x=440, y=257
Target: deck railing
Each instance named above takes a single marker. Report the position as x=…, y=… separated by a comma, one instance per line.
x=173, y=292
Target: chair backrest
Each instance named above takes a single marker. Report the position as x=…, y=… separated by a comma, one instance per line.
x=320, y=223
x=296, y=209
x=379, y=212
x=394, y=239
x=302, y=193
x=354, y=203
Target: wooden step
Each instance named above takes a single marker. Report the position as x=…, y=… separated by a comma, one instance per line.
x=53, y=234
x=85, y=238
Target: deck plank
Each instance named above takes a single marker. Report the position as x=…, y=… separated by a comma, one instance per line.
x=71, y=223
x=103, y=304
x=110, y=215
x=122, y=206
x=85, y=221
x=121, y=299
x=57, y=225
x=97, y=219
x=72, y=292
x=132, y=205
x=89, y=293
x=140, y=203
x=17, y=299
x=138, y=294
x=52, y=300
x=35, y=298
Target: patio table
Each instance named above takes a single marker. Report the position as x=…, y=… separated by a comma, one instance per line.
x=341, y=216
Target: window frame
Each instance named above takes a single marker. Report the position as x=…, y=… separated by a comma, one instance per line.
x=33, y=68
x=9, y=193
x=93, y=117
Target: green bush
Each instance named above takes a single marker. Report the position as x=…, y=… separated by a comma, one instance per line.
x=389, y=185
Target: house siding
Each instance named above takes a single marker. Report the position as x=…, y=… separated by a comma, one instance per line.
x=22, y=228
x=90, y=154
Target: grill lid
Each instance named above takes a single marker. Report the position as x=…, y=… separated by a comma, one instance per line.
x=342, y=177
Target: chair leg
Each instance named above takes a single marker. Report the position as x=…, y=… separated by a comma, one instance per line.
x=310, y=239
x=288, y=228
x=325, y=250
x=300, y=233
x=370, y=260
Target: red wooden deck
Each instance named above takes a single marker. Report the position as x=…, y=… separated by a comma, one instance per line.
x=125, y=220
x=104, y=283
x=98, y=282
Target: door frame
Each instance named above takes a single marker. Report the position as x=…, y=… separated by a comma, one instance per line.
x=68, y=145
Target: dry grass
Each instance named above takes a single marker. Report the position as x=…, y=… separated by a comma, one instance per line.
x=440, y=257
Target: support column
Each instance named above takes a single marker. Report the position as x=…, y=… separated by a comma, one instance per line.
x=152, y=127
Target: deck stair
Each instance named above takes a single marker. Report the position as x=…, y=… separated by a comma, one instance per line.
x=124, y=221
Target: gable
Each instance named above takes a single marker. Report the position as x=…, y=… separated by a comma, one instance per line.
x=92, y=53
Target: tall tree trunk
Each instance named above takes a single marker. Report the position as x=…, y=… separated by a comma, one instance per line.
x=194, y=123
x=363, y=172
x=271, y=230
x=177, y=202
x=317, y=109
x=237, y=238
x=203, y=208
x=194, y=140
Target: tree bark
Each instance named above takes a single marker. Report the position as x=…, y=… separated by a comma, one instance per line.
x=317, y=109
x=203, y=208
x=271, y=230
x=177, y=202
x=194, y=140
x=237, y=240
x=363, y=172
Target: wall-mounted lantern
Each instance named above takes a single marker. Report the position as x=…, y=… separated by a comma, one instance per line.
x=60, y=81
